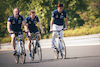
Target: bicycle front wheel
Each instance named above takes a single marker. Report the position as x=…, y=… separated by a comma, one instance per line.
x=63, y=51
x=56, y=52
x=23, y=53
x=17, y=54
x=39, y=51
x=16, y=58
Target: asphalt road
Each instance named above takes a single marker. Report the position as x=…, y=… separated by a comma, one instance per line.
x=77, y=56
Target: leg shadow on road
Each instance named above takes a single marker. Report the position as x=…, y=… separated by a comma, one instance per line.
x=81, y=57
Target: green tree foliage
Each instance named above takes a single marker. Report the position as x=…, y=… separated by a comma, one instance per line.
x=80, y=12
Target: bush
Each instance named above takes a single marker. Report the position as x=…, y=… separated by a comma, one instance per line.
x=77, y=32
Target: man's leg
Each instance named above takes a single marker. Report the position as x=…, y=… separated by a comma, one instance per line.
x=13, y=43
x=29, y=47
x=54, y=34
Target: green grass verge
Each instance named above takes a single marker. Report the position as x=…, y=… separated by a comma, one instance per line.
x=77, y=32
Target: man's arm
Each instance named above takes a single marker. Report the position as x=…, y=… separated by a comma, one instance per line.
x=51, y=23
x=25, y=26
x=66, y=20
x=8, y=27
x=40, y=26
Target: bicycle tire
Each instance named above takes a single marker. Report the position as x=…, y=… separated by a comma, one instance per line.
x=63, y=50
x=16, y=57
x=23, y=53
x=56, y=52
x=32, y=51
x=39, y=51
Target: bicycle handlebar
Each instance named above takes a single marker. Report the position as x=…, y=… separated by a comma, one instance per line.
x=58, y=30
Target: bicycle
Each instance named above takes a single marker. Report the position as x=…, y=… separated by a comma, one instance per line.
x=60, y=46
x=20, y=48
x=36, y=48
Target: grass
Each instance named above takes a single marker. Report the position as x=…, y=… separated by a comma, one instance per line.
x=77, y=32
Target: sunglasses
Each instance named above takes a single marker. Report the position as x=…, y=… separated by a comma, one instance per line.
x=33, y=12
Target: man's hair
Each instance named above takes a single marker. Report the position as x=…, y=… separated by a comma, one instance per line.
x=32, y=11
x=60, y=5
x=15, y=8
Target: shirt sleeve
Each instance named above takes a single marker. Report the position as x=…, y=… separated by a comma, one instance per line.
x=9, y=19
x=37, y=19
x=23, y=18
x=53, y=14
x=65, y=15
x=26, y=20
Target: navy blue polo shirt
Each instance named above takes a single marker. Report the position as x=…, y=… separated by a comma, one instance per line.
x=32, y=23
x=59, y=17
x=15, y=23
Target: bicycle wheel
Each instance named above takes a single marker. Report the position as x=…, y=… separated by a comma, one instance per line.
x=16, y=58
x=56, y=52
x=63, y=50
x=32, y=51
x=23, y=53
x=17, y=54
x=39, y=51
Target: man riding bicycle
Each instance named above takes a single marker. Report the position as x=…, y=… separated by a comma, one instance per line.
x=31, y=23
x=57, y=22
x=14, y=23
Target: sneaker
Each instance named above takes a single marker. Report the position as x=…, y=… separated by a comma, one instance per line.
x=30, y=56
x=14, y=53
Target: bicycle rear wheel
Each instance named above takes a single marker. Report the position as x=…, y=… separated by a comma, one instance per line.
x=63, y=51
x=39, y=51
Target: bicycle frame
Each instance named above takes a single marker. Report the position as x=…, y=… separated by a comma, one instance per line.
x=59, y=46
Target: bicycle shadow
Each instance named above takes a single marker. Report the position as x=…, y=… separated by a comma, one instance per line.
x=81, y=57
x=54, y=60
x=44, y=60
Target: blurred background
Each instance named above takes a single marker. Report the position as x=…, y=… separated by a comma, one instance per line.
x=83, y=15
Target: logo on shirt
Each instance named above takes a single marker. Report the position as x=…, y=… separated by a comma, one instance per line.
x=56, y=16
x=19, y=21
x=34, y=22
x=13, y=22
x=61, y=16
x=8, y=19
x=29, y=22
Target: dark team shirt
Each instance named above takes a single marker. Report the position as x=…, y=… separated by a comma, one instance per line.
x=32, y=23
x=59, y=17
x=15, y=23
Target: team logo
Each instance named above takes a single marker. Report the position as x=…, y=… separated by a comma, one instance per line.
x=13, y=22
x=56, y=16
x=52, y=14
x=8, y=19
x=61, y=16
x=34, y=22
x=19, y=21
x=29, y=22
x=61, y=13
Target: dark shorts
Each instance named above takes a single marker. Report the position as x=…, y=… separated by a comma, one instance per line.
x=32, y=31
x=17, y=32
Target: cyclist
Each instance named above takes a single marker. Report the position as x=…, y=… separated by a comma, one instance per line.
x=14, y=23
x=31, y=21
x=57, y=21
